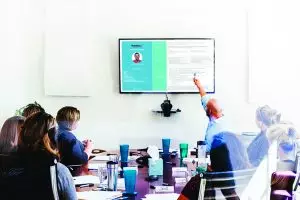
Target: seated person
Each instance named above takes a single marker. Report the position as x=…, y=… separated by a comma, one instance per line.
x=10, y=133
x=35, y=147
x=72, y=151
x=283, y=178
x=258, y=148
x=285, y=134
x=31, y=109
x=227, y=154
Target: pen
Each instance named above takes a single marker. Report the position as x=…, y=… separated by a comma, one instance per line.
x=119, y=198
x=85, y=185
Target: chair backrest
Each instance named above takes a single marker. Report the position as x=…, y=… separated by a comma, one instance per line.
x=227, y=182
x=76, y=170
x=247, y=137
x=23, y=180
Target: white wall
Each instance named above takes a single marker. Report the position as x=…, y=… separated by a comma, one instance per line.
x=274, y=56
x=107, y=116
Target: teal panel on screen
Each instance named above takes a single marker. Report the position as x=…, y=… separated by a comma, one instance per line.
x=136, y=73
x=165, y=65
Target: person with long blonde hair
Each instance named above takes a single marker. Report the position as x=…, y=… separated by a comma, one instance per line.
x=36, y=147
x=258, y=148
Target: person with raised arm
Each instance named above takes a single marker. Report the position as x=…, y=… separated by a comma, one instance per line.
x=214, y=112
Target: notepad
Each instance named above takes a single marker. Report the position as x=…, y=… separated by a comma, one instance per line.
x=78, y=180
x=98, y=195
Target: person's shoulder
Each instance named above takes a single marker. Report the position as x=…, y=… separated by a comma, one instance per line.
x=61, y=167
x=62, y=170
x=65, y=135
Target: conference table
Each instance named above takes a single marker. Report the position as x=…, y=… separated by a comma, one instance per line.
x=143, y=186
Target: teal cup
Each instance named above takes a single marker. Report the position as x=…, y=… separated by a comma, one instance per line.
x=130, y=181
x=124, y=151
x=166, y=145
x=183, y=150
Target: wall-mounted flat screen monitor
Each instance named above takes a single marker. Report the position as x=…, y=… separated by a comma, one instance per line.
x=166, y=65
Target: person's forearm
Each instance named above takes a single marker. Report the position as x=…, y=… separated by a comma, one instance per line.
x=201, y=91
x=88, y=152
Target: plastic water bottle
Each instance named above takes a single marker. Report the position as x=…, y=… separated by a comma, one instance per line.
x=112, y=175
x=201, y=155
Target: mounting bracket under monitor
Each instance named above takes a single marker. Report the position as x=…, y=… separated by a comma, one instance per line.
x=171, y=112
x=166, y=108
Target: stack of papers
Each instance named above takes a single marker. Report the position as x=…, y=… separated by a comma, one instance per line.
x=169, y=196
x=98, y=195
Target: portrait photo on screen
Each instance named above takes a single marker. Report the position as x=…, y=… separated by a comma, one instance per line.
x=137, y=57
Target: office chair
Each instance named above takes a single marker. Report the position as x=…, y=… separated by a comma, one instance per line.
x=77, y=170
x=283, y=184
x=231, y=183
x=26, y=180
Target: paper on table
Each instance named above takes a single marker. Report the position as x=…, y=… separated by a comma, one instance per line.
x=106, y=158
x=164, y=189
x=169, y=196
x=98, y=195
x=86, y=179
x=100, y=158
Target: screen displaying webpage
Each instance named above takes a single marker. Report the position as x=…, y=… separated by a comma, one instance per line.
x=166, y=65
